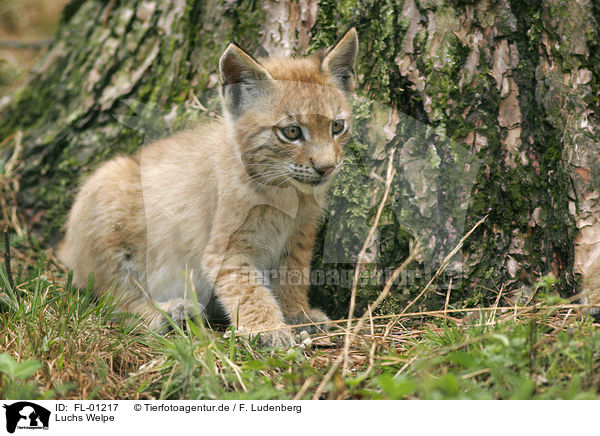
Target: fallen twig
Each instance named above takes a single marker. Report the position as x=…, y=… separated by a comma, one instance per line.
x=359, y=261
x=7, y=265
x=445, y=263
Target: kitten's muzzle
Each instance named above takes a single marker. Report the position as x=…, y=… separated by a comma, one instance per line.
x=323, y=171
x=313, y=175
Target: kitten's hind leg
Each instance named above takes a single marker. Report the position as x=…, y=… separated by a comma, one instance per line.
x=176, y=310
x=158, y=315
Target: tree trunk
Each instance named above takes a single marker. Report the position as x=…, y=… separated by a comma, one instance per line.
x=514, y=82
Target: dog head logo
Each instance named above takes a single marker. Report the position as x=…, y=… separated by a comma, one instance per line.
x=26, y=415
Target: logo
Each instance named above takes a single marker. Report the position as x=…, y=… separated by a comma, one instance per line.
x=26, y=415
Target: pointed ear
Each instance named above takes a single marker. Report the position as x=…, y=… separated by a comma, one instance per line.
x=242, y=78
x=340, y=61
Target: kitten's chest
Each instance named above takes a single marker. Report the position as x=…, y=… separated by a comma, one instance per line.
x=271, y=239
x=270, y=228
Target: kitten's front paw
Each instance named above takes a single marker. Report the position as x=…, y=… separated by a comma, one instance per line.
x=315, y=316
x=280, y=338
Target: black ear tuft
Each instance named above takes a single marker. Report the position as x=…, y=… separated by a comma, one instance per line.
x=341, y=59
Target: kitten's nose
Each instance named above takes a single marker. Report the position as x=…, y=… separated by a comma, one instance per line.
x=323, y=170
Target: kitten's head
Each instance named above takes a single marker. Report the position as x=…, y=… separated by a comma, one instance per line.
x=290, y=117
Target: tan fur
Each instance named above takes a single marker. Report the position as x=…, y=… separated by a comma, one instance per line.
x=219, y=201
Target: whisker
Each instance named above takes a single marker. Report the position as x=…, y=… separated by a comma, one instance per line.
x=263, y=165
x=276, y=172
x=273, y=177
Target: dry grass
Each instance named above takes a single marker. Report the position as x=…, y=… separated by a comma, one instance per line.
x=9, y=183
x=85, y=352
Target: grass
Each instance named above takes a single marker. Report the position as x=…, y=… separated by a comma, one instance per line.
x=60, y=342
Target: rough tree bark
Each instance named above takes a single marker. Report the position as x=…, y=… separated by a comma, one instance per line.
x=515, y=82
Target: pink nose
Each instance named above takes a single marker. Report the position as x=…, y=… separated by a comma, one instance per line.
x=324, y=170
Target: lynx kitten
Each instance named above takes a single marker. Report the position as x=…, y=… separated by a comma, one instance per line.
x=219, y=205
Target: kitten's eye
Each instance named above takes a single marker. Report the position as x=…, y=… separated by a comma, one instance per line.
x=337, y=126
x=291, y=132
